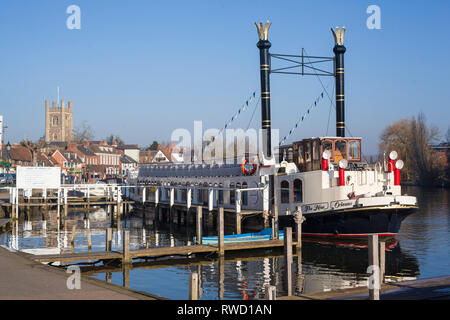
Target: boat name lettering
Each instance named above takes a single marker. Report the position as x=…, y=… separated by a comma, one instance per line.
x=342, y=204
x=315, y=207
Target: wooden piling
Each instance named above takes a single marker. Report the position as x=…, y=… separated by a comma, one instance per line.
x=275, y=222
x=193, y=286
x=221, y=278
x=74, y=228
x=221, y=231
x=89, y=239
x=382, y=260
x=238, y=223
x=298, y=227
x=126, y=275
x=288, y=259
x=126, y=247
x=199, y=224
x=108, y=246
x=374, y=286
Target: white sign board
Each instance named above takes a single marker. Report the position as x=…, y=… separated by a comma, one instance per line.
x=38, y=177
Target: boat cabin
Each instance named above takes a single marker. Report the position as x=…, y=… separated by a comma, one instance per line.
x=307, y=153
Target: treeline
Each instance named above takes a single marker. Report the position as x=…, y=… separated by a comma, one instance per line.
x=413, y=139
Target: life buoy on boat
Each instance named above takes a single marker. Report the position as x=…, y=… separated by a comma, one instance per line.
x=244, y=168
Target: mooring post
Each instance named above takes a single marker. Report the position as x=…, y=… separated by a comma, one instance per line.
x=221, y=277
x=210, y=200
x=220, y=231
x=171, y=197
x=382, y=261
x=275, y=221
x=237, y=195
x=65, y=199
x=188, y=198
x=238, y=223
x=298, y=218
x=288, y=259
x=108, y=245
x=17, y=203
x=193, y=286
x=118, y=202
x=126, y=275
x=89, y=240
x=126, y=247
x=199, y=224
x=74, y=228
x=58, y=200
x=374, y=281
x=271, y=292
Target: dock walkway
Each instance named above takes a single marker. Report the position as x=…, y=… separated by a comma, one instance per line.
x=25, y=279
x=157, y=252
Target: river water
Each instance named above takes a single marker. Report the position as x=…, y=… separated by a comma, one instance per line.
x=421, y=250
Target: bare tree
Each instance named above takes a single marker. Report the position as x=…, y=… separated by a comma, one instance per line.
x=33, y=148
x=83, y=133
x=412, y=139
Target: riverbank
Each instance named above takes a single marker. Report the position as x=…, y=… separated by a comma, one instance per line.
x=24, y=279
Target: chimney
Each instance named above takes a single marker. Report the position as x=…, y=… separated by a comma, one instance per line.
x=339, y=51
x=264, y=60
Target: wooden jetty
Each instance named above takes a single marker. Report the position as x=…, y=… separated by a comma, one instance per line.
x=157, y=252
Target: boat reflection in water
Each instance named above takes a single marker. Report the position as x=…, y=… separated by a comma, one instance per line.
x=324, y=266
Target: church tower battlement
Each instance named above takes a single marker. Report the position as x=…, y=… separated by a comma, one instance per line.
x=58, y=122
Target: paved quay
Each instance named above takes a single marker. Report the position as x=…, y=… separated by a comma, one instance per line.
x=24, y=279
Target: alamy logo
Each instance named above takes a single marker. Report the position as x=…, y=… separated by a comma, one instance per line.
x=374, y=20
x=74, y=280
x=74, y=20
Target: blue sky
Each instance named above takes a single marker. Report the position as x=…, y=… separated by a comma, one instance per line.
x=141, y=69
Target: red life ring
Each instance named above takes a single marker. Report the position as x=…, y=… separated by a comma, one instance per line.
x=244, y=169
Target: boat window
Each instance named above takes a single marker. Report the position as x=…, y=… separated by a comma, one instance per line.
x=340, y=151
x=290, y=155
x=298, y=190
x=353, y=147
x=308, y=152
x=220, y=200
x=316, y=150
x=284, y=188
x=232, y=195
x=300, y=154
x=327, y=145
x=244, y=194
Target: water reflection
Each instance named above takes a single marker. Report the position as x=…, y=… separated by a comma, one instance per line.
x=421, y=251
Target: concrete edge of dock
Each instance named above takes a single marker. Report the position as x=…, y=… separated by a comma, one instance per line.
x=17, y=266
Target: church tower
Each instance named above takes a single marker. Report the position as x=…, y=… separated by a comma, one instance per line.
x=58, y=122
